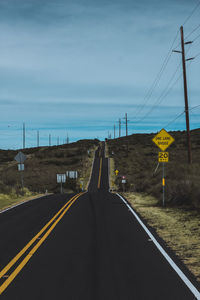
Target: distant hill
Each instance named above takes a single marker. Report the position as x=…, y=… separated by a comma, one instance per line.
x=43, y=164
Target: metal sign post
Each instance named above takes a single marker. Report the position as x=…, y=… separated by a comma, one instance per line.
x=163, y=183
x=123, y=183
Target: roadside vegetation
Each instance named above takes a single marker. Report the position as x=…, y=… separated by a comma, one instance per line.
x=41, y=166
x=178, y=223
x=136, y=157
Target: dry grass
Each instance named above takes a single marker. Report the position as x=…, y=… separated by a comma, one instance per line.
x=112, y=176
x=136, y=157
x=87, y=168
x=12, y=199
x=179, y=227
x=41, y=166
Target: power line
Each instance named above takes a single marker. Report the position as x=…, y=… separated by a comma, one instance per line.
x=163, y=95
x=194, y=107
x=197, y=55
x=177, y=117
x=158, y=76
x=187, y=19
x=196, y=37
x=166, y=91
x=191, y=14
x=189, y=34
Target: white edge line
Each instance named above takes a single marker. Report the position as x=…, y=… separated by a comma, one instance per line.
x=91, y=172
x=108, y=174
x=18, y=204
x=192, y=288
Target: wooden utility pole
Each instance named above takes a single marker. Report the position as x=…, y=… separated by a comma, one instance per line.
x=58, y=141
x=119, y=127
x=186, y=96
x=114, y=131
x=49, y=140
x=38, y=138
x=126, y=124
x=24, y=144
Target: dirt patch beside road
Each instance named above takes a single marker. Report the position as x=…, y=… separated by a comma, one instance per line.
x=178, y=227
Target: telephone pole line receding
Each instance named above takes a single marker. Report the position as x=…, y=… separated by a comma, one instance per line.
x=24, y=136
x=186, y=96
x=49, y=140
x=38, y=138
x=119, y=127
x=114, y=131
x=126, y=124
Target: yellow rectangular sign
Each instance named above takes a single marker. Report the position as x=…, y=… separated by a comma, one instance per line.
x=163, y=140
x=163, y=156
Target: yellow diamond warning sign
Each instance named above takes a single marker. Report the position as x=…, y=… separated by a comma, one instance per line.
x=163, y=139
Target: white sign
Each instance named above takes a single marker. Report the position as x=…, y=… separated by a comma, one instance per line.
x=72, y=174
x=20, y=167
x=123, y=180
x=20, y=157
x=61, y=178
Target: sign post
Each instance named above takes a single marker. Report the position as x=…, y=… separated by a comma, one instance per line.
x=20, y=158
x=163, y=140
x=61, y=178
x=123, y=183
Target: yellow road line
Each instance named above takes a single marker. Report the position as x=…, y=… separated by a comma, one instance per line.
x=29, y=255
x=17, y=257
x=100, y=169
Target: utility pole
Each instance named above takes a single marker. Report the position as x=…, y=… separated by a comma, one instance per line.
x=38, y=138
x=49, y=140
x=126, y=124
x=58, y=141
x=119, y=127
x=114, y=131
x=183, y=43
x=24, y=136
x=186, y=97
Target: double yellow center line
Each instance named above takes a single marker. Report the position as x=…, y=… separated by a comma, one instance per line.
x=54, y=221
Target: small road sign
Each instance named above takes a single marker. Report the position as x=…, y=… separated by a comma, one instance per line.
x=20, y=167
x=123, y=180
x=163, y=139
x=163, y=156
x=20, y=157
x=72, y=174
x=116, y=172
x=61, y=178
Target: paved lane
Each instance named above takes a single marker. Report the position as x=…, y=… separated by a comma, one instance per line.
x=97, y=251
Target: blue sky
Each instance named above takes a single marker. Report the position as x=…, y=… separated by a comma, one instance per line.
x=78, y=66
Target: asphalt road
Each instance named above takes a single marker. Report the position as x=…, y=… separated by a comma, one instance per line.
x=94, y=249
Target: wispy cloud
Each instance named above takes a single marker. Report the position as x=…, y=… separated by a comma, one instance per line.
x=84, y=58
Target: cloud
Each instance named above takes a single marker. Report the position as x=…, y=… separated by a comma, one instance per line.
x=90, y=58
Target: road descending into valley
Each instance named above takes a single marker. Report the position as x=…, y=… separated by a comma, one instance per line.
x=88, y=246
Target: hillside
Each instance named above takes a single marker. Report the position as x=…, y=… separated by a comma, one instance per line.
x=42, y=165
x=136, y=157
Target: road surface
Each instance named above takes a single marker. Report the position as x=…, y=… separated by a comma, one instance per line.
x=93, y=249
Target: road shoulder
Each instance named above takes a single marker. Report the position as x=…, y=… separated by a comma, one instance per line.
x=178, y=227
